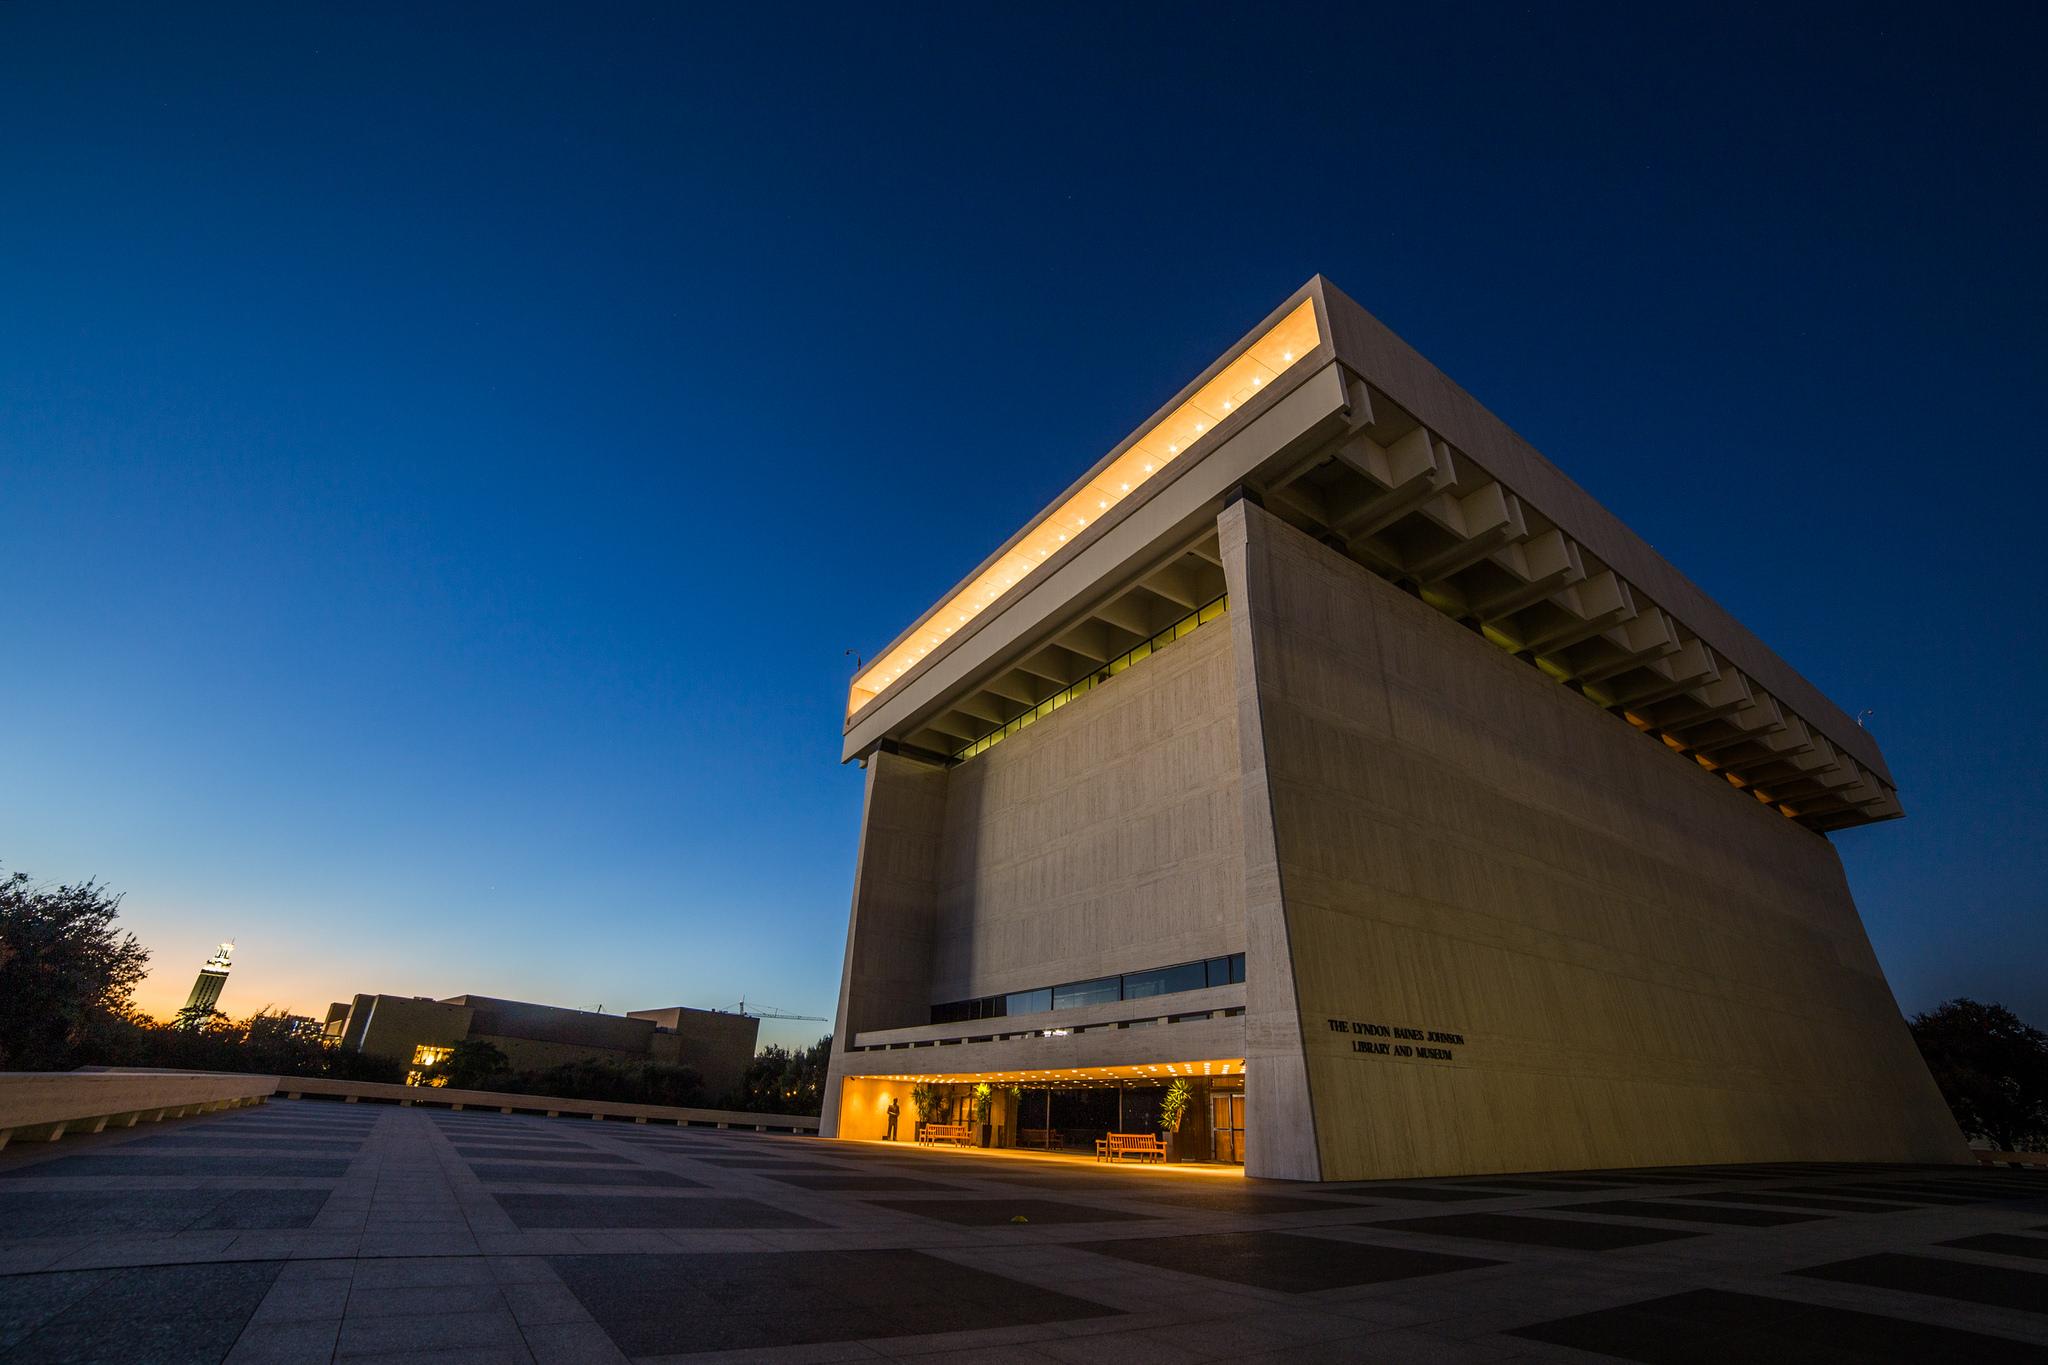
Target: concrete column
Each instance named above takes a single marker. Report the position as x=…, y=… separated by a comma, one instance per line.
x=1280, y=1121
x=886, y=982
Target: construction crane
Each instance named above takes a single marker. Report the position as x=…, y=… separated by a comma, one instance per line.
x=770, y=1012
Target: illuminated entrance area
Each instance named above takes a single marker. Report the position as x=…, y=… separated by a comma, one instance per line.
x=1164, y=1111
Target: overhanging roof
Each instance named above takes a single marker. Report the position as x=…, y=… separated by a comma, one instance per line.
x=1363, y=443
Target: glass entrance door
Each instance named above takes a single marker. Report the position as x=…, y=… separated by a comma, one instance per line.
x=1226, y=1126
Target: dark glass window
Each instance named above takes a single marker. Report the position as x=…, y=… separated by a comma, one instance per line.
x=1102, y=990
x=1225, y=971
x=1189, y=976
x=1185, y=626
x=1139, y=985
x=1028, y=1002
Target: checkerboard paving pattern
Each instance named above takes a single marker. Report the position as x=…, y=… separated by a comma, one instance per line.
x=323, y=1231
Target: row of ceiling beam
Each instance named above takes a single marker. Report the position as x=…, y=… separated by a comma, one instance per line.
x=1397, y=497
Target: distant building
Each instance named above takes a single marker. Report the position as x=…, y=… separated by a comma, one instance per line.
x=419, y=1031
x=212, y=978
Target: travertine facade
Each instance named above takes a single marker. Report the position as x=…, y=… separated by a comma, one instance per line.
x=1522, y=840
x=1643, y=966
x=1111, y=837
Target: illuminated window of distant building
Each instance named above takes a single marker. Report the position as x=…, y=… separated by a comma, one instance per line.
x=424, y=1057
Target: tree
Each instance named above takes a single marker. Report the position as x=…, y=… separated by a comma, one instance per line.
x=623, y=1082
x=65, y=972
x=472, y=1064
x=204, y=1019
x=779, y=1081
x=1992, y=1069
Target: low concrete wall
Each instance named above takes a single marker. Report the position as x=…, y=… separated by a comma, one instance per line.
x=297, y=1087
x=42, y=1106
x=1988, y=1158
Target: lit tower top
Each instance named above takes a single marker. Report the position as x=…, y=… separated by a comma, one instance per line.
x=212, y=977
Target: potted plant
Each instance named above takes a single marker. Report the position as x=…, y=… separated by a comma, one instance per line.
x=924, y=1097
x=1173, y=1107
x=984, y=1100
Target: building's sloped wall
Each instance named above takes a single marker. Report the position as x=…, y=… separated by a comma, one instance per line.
x=1632, y=963
x=394, y=1025
x=539, y=1054
x=886, y=980
x=717, y=1046
x=555, y=1025
x=1105, y=838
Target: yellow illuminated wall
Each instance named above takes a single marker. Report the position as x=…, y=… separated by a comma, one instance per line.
x=1265, y=360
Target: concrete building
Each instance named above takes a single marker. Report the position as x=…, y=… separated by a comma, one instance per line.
x=1328, y=748
x=418, y=1031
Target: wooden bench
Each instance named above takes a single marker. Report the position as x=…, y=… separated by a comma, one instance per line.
x=1042, y=1137
x=1117, y=1146
x=960, y=1134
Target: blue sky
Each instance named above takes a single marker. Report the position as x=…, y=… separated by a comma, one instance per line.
x=445, y=456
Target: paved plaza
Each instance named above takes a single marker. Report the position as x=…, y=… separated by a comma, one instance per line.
x=315, y=1231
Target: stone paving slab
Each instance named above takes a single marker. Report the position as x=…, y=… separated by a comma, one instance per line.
x=856, y=1181
x=661, y=1304
x=2004, y=1244
x=310, y=1231
x=1284, y=1261
x=1767, y=1199
x=503, y=1173
x=1972, y=1282
x=55, y=1213
x=992, y=1212
x=1710, y=1327
x=1243, y=1201
x=244, y=1167
x=1431, y=1194
x=583, y=1154
x=1516, y=1229
x=1678, y=1211
x=542, y=1210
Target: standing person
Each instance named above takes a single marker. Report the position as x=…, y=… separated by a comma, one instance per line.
x=894, y=1110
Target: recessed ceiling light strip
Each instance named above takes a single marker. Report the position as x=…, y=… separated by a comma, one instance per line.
x=1264, y=361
